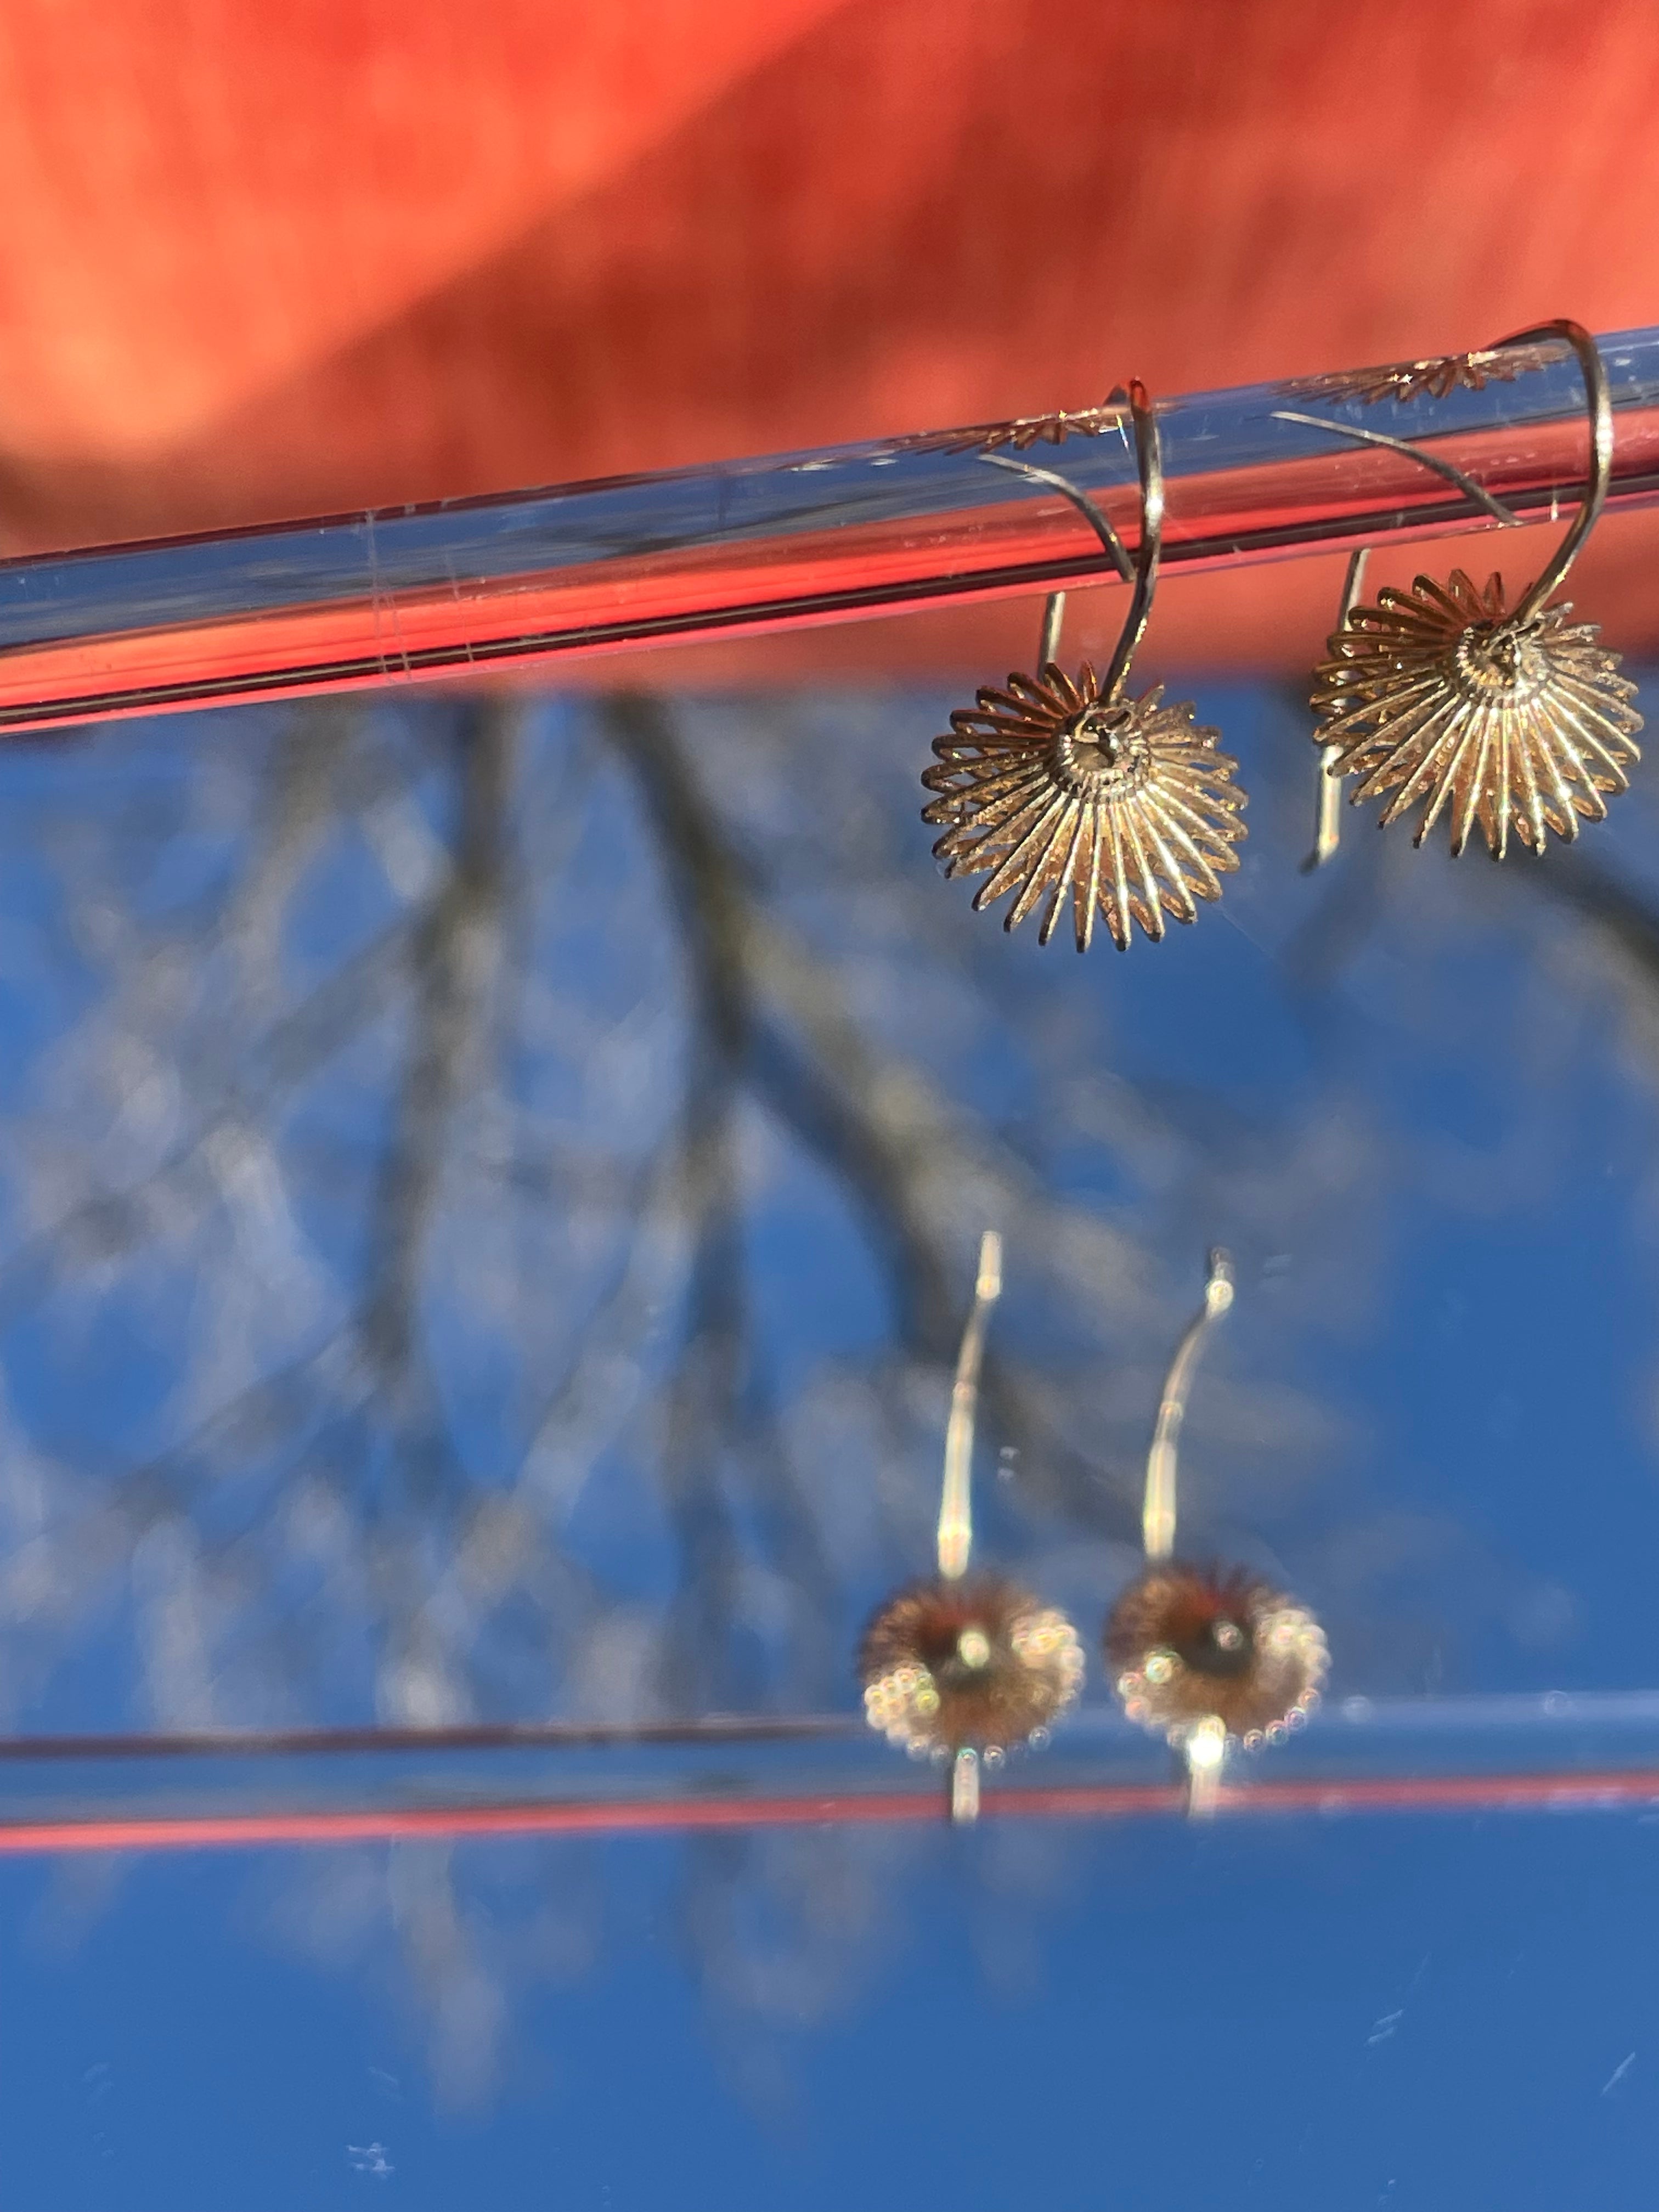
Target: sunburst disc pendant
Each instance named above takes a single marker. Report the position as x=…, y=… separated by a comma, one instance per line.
x=1121, y=808
x=1064, y=788
x=1443, y=695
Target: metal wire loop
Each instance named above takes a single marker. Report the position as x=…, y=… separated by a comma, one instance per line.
x=1599, y=405
x=1149, y=456
x=1139, y=569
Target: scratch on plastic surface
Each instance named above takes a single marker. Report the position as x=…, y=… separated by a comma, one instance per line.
x=378, y=599
x=455, y=593
x=1387, y=2024
x=1618, y=2073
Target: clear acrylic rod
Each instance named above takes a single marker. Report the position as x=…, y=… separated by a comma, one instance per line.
x=1580, y=1752
x=1472, y=1796
x=538, y=578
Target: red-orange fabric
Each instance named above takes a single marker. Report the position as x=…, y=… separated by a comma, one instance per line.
x=262, y=257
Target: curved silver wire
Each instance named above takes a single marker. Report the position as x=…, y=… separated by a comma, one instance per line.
x=956, y=1510
x=1467, y=485
x=1149, y=456
x=1600, y=406
x=1157, y=1517
x=1599, y=403
x=1080, y=500
x=1141, y=570
x=1203, y=1750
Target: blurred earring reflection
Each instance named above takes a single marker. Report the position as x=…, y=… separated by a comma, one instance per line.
x=968, y=1667
x=1208, y=1656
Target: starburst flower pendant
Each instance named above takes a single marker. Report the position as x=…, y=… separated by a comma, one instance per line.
x=1440, y=694
x=1120, y=807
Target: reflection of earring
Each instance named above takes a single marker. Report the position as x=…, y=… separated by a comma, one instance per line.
x=964, y=1666
x=1207, y=1656
x=1508, y=717
x=1067, y=789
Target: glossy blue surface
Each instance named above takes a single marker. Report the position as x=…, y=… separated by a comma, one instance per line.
x=430, y=1288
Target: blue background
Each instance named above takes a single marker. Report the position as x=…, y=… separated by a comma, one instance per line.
x=1417, y=1099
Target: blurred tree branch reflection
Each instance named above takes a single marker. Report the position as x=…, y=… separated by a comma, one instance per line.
x=488, y=1192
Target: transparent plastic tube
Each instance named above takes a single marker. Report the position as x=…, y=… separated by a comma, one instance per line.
x=409, y=593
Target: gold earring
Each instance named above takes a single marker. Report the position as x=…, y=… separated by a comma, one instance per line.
x=1507, y=716
x=1208, y=1656
x=960, y=1666
x=1065, y=788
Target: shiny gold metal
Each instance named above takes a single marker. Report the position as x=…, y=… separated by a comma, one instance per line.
x=961, y=1667
x=1065, y=789
x=1504, y=717
x=1206, y=1657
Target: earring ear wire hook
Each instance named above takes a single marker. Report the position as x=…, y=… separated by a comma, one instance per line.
x=1158, y=1518
x=1149, y=459
x=1080, y=499
x=1599, y=405
x=1477, y=493
x=956, y=1512
x=1141, y=569
x=1204, y=1749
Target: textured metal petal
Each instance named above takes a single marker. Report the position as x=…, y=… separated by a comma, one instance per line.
x=1119, y=811
x=1439, y=697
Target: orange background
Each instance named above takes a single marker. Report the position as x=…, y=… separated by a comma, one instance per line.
x=268, y=257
